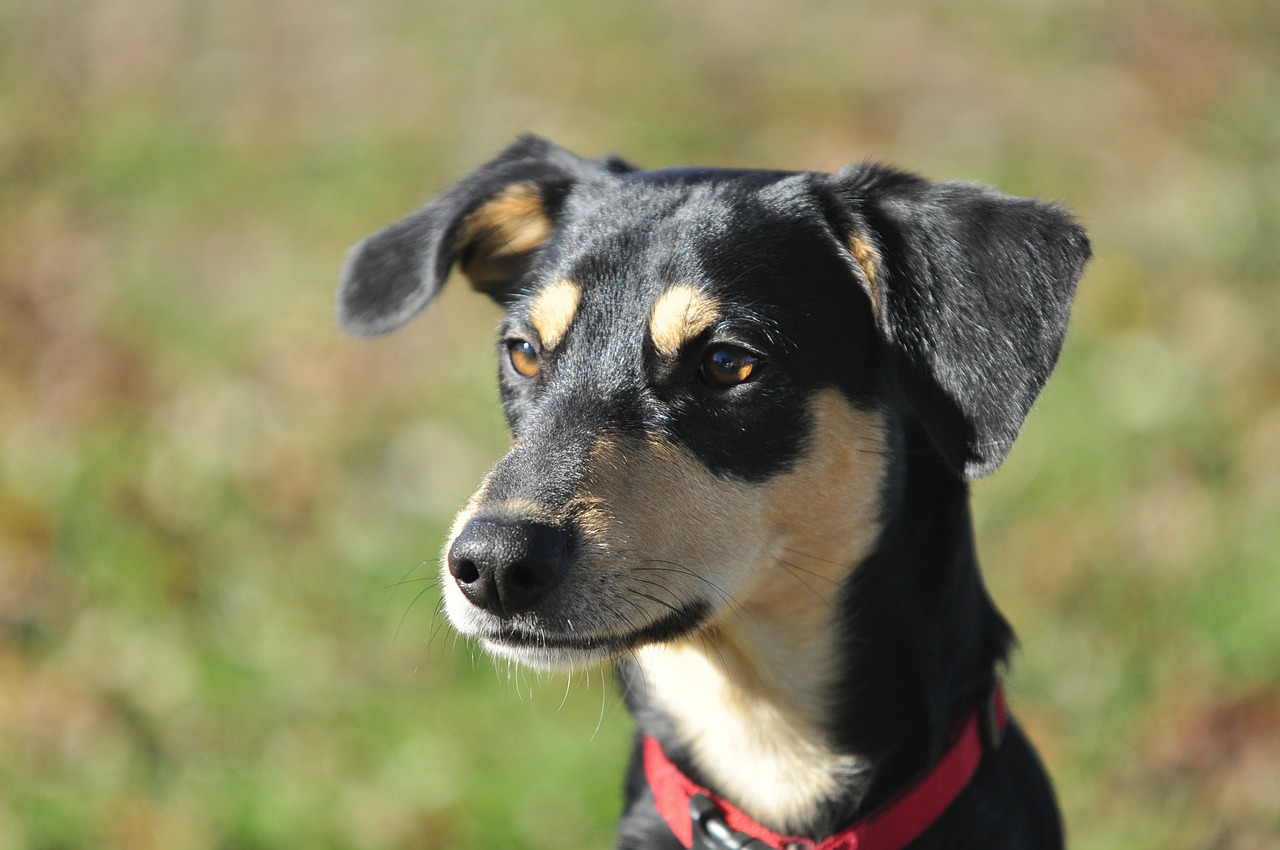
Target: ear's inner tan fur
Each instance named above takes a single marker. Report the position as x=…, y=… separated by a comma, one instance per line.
x=868, y=258
x=501, y=231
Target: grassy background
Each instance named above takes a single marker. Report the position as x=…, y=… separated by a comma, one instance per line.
x=218, y=514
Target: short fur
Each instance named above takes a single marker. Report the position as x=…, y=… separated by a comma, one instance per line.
x=748, y=409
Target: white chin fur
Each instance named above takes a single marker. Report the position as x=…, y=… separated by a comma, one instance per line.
x=546, y=658
x=473, y=623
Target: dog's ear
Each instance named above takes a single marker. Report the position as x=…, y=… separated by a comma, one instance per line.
x=971, y=291
x=491, y=223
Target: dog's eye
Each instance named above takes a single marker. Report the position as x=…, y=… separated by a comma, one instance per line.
x=523, y=357
x=727, y=365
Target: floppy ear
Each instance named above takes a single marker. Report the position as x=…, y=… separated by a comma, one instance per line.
x=971, y=291
x=492, y=223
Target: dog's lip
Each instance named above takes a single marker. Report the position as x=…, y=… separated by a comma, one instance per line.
x=675, y=624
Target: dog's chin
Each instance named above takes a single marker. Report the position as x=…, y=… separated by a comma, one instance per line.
x=554, y=649
x=547, y=657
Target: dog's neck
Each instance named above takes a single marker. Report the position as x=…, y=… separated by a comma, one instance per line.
x=806, y=729
x=752, y=709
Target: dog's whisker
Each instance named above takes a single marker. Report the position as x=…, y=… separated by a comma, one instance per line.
x=839, y=565
x=407, y=609
x=399, y=584
x=410, y=571
x=796, y=567
x=437, y=622
x=568, y=683
x=796, y=574
x=675, y=567
x=722, y=596
x=675, y=598
x=604, y=695
x=681, y=569
x=656, y=601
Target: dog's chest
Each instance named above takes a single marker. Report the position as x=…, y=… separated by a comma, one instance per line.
x=762, y=754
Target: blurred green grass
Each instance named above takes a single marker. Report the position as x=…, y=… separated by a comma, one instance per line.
x=219, y=516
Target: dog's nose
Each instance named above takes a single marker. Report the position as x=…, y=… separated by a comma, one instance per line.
x=507, y=566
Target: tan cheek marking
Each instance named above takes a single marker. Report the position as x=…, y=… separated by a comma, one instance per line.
x=660, y=530
x=825, y=514
x=514, y=222
x=554, y=310
x=680, y=313
x=869, y=259
x=651, y=497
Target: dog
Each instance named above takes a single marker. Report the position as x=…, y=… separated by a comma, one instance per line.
x=745, y=408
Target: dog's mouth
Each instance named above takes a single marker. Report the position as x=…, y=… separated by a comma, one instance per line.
x=563, y=647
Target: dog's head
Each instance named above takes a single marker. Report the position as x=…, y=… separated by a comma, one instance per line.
x=707, y=374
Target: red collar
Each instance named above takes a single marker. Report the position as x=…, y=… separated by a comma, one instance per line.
x=892, y=826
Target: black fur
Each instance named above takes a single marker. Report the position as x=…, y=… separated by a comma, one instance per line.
x=949, y=323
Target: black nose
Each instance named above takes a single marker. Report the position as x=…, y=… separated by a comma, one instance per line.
x=507, y=566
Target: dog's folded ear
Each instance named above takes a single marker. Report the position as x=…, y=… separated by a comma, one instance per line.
x=971, y=291
x=491, y=223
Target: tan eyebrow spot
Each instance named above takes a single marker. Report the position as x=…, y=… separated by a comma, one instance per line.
x=553, y=311
x=680, y=313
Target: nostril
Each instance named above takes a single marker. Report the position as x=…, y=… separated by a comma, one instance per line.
x=473, y=573
x=465, y=571
x=531, y=575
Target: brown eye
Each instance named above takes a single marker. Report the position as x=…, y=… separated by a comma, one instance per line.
x=524, y=357
x=727, y=365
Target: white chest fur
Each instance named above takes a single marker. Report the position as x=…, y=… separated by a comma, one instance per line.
x=757, y=744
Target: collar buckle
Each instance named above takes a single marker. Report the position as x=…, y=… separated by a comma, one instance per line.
x=710, y=832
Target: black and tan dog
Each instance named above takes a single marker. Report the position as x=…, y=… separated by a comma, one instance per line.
x=745, y=407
